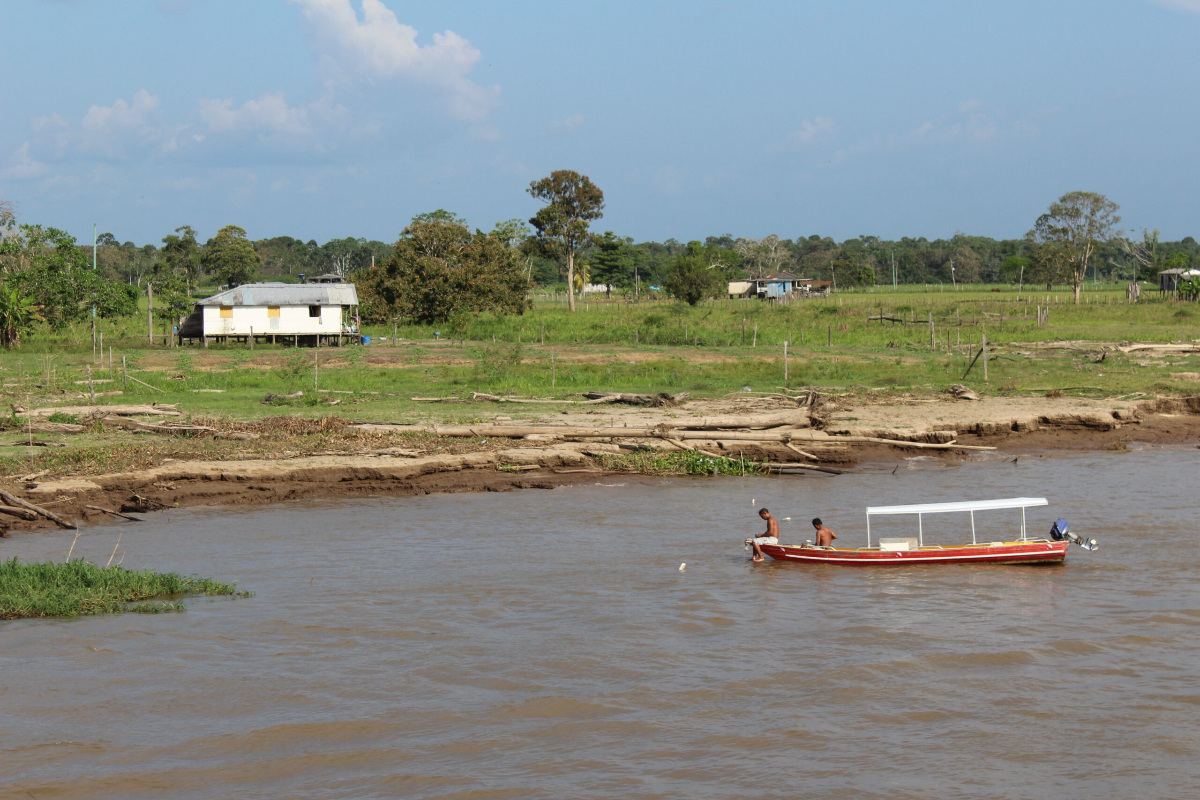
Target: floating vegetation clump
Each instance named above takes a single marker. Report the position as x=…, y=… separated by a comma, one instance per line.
x=79, y=587
x=686, y=462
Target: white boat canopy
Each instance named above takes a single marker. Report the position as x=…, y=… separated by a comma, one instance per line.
x=943, y=508
x=975, y=505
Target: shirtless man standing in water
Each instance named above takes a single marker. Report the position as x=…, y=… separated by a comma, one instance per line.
x=770, y=537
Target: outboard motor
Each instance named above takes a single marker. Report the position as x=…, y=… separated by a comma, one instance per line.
x=1061, y=530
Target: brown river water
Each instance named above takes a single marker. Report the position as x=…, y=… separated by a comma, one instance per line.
x=544, y=644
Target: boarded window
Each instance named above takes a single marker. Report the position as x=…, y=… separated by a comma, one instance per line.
x=272, y=312
x=314, y=311
x=226, y=312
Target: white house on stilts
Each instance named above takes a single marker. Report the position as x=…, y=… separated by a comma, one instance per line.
x=312, y=314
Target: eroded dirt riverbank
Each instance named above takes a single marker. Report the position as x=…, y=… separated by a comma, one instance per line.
x=836, y=437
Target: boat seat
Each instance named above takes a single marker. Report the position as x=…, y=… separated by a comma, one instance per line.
x=899, y=544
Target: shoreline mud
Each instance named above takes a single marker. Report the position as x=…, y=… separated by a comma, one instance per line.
x=897, y=430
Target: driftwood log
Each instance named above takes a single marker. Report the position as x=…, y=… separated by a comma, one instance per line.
x=793, y=419
x=655, y=400
x=159, y=410
x=115, y=513
x=13, y=500
x=497, y=399
x=666, y=432
x=784, y=469
x=13, y=511
x=134, y=425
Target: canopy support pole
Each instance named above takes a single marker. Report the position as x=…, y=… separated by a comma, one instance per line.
x=973, y=528
x=920, y=532
x=1022, y=524
x=868, y=530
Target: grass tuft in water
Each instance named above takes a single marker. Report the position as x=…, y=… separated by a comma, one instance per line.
x=79, y=588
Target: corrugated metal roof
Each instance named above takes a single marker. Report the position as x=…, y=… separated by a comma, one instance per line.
x=285, y=294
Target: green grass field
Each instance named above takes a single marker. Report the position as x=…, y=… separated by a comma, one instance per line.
x=712, y=349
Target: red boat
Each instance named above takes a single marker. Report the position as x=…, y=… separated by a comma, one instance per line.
x=1021, y=549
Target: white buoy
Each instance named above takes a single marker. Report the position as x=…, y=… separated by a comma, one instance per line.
x=787, y=519
x=681, y=566
x=753, y=501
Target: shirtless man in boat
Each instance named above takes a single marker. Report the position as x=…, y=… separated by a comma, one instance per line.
x=770, y=537
x=825, y=536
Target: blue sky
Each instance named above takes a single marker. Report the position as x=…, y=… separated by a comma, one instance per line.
x=331, y=118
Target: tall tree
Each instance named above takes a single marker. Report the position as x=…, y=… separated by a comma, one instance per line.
x=49, y=268
x=181, y=255
x=763, y=257
x=1078, y=223
x=1144, y=254
x=440, y=271
x=613, y=261
x=699, y=273
x=572, y=202
x=440, y=215
x=231, y=257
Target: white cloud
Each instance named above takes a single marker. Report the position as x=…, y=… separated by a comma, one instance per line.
x=812, y=130
x=23, y=166
x=570, y=124
x=109, y=131
x=380, y=47
x=972, y=123
x=270, y=113
x=1183, y=5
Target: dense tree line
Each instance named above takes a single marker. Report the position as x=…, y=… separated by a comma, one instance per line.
x=440, y=270
x=869, y=260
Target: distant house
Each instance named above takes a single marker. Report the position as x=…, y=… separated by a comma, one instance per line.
x=1169, y=279
x=780, y=286
x=741, y=289
x=306, y=313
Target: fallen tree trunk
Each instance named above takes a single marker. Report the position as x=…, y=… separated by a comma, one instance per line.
x=55, y=427
x=17, y=512
x=13, y=500
x=660, y=399
x=160, y=410
x=795, y=419
x=497, y=399
x=783, y=469
x=115, y=513
x=134, y=425
x=572, y=432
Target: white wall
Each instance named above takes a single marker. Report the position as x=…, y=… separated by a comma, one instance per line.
x=291, y=320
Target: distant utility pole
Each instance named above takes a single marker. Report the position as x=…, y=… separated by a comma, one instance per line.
x=893, y=270
x=93, y=302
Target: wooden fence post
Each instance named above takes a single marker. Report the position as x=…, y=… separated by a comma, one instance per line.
x=985, y=374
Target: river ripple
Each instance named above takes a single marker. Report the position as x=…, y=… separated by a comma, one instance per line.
x=545, y=645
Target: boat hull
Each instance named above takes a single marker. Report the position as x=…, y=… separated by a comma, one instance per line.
x=1035, y=552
